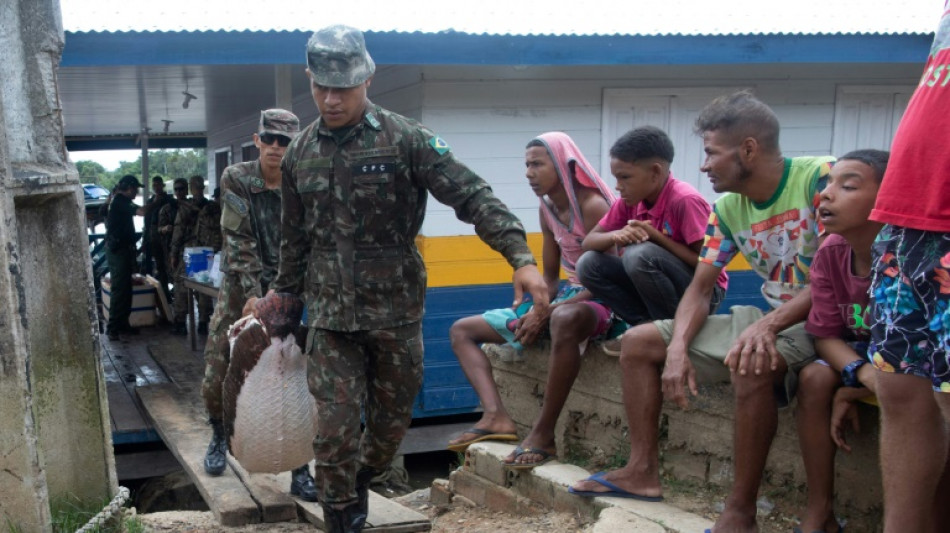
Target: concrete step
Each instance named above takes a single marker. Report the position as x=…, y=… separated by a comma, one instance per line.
x=484, y=480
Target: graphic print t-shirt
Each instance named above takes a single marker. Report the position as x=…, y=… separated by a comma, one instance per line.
x=839, y=298
x=779, y=237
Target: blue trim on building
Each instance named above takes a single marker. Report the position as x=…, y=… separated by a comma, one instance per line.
x=445, y=389
x=135, y=437
x=454, y=48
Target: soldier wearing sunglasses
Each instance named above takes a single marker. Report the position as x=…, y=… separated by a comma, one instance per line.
x=250, y=225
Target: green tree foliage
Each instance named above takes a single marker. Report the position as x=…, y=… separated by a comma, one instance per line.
x=169, y=164
x=90, y=172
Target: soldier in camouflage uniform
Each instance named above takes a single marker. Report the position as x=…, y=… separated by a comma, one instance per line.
x=208, y=225
x=250, y=223
x=354, y=193
x=166, y=225
x=153, y=209
x=184, y=236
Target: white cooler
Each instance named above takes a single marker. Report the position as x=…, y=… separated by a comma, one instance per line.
x=143, y=303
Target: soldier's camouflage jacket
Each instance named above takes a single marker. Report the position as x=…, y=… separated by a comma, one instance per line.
x=166, y=217
x=185, y=233
x=250, y=224
x=208, y=226
x=352, y=210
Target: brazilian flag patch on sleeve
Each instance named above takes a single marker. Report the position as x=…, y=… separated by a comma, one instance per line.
x=439, y=145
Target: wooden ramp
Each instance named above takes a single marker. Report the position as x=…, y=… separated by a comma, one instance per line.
x=237, y=497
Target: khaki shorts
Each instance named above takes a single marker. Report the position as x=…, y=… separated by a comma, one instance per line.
x=708, y=350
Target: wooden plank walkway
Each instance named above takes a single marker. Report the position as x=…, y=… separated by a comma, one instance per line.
x=127, y=365
x=236, y=498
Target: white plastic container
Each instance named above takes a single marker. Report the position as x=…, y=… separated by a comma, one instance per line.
x=143, y=303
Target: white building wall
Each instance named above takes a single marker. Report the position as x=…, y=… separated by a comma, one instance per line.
x=396, y=88
x=488, y=114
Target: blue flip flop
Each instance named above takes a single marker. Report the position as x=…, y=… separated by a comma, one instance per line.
x=614, y=492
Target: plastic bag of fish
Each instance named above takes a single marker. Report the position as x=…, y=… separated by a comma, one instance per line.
x=269, y=413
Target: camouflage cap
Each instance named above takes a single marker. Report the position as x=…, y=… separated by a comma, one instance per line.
x=337, y=57
x=279, y=122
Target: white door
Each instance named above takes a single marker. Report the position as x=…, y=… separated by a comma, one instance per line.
x=867, y=117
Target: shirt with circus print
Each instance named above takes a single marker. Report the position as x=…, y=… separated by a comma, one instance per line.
x=779, y=237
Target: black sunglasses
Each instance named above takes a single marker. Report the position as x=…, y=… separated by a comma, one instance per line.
x=269, y=138
x=181, y=188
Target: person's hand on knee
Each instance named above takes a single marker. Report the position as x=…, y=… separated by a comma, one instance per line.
x=679, y=375
x=530, y=327
x=754, y=351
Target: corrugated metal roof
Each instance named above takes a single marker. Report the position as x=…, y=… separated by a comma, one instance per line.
x=512, y=17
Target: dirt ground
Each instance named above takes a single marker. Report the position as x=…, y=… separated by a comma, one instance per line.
x=454, y=518
x=461, y=517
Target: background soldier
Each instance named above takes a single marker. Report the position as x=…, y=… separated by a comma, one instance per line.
x=184, y=236
x=120, y=253
x=153, y=244
x=166, y=227
x=354, y=191
x=208, y=225
x=250, y=224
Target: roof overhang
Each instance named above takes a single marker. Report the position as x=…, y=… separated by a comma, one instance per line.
x=401, y=48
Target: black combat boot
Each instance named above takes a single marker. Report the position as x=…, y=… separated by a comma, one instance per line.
x=363, y=479
x=349, y=519
x=302, y=485
x=216, y=458
x=179, y=329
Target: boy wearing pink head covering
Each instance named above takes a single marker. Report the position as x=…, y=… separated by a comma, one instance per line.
x=573, y=198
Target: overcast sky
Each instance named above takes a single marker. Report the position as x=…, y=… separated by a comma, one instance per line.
x=512, y=16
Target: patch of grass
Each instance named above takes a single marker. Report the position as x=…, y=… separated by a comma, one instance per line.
x=459, y=461
x=13, y=528
x=621, y=452
x=71, y=514
x=576, y=455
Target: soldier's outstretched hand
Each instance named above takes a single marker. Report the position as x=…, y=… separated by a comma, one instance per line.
x=528, y=279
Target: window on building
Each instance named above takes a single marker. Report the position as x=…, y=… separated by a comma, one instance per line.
x=222, y=158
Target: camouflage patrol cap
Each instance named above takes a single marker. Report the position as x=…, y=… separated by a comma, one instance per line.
x=279, y=122
x=337, y=57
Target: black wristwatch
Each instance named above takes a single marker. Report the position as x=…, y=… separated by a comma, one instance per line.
x=849, y=374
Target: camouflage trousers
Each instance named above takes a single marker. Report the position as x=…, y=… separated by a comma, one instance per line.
x=231, y=300
x=181, y=303
x=380, y=370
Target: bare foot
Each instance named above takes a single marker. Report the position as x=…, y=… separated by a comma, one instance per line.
x=828, y=525
x=731, y=521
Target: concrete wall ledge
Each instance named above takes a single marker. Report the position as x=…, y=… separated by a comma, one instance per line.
x=520, y=493
x=696, y=444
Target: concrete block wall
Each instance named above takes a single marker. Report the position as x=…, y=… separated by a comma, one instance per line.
x=696, y=445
